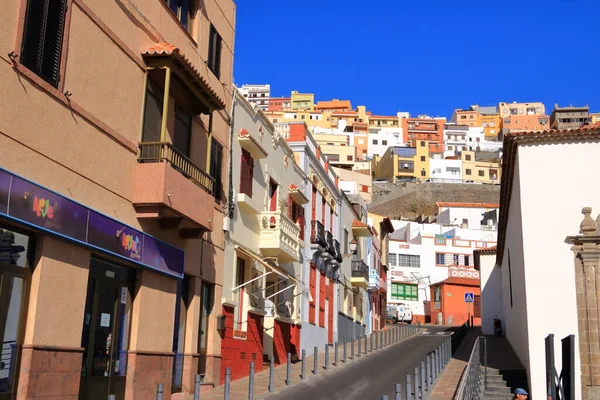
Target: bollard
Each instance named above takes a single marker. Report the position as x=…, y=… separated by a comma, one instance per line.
x=352, y=349
x=438, y=361
x=112, y=397
x=365, y=344
x=398, y=392
x=326, y=356
x=316, y=361
x=335, y=353
x=428, y=366
x=159, y=392
x=416, y=382
x=227, y=383
x=371, y=342
x=408, y=388
x=359, y=342
x=272, y=374
x=376, y=340
x=303, y=366
x=433, y=367
x=251, y=382
x=422, y=376
x=288, y=372
x=197, y=387
x=345, y=355
x=384, y=397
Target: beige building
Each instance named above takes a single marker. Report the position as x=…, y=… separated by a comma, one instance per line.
x=336, y=149
x=403, y=163
x=116, y=183
x=305, y=101
x=354, y=182
x=479, y=171
x=262, y=257
x=514, y=109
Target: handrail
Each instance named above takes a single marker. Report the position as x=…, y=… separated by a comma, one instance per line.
x=470, y=386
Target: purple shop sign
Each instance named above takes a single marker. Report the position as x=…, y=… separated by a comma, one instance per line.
x=45, y=209
x=115, y=237
x=162, y=256
x=4, y=190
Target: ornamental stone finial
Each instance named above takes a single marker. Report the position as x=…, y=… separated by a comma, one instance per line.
x=588, y=225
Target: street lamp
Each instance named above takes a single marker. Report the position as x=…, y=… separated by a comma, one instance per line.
x=353, y=246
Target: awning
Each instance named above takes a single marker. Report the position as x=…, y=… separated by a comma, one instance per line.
x=272, y=269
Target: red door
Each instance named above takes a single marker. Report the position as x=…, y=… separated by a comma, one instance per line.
x=330, y=317
x=322, y=293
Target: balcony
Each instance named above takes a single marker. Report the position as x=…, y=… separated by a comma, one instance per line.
x=330, y=245
x=383, y=281
x=317, y=234
x=279, y=237
x=360, y=274
x=338, y=253
x=170, y=188
x=374, y=283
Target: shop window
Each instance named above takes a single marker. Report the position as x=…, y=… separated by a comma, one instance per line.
x=216, y=168
x=43, y=38
x=246, y=173
x=215, y=45
x=402, y=291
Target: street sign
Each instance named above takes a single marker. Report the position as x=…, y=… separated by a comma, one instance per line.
x=469, y=297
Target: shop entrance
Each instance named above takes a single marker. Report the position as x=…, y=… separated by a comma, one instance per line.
x=106, y=325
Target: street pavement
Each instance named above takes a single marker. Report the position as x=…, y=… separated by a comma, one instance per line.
x=371, y=376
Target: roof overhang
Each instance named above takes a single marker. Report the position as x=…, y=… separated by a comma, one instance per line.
x=250, y=144
x=297, y=195
x=360, y=229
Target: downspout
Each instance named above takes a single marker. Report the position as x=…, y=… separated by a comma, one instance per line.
x=230, y=202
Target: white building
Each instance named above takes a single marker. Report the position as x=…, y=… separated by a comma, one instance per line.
x=539, y=210
x=424, y=254
x=459, y=138
x=481, y=216
x=257, y=95
x=379, y=139
x=445, y=170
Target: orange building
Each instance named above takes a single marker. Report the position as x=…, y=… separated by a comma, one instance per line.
x=448, y=299
x=528, y=123
x=279, y=103
x=466, y=117
x=424, y=129
x=361, y=144
x=334, y=105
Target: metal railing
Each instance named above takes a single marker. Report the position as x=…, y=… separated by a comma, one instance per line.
x=155, y=152
x=474, y=379
x=317, y=234
x=338, y=252
x=330, y=247
x=360, y=269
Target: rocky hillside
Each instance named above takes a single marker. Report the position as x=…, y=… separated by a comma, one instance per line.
x=410, y=200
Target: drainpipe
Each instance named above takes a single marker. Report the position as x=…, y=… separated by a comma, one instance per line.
x=230, y=202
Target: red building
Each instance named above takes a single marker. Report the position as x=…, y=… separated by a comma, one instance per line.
x=424, y=129
x=448, y=299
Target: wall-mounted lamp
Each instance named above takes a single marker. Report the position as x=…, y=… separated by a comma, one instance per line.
x=353, y=246
x=221, y=322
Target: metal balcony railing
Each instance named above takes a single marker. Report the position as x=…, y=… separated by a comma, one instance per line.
x=360, y=269
x=330, y=246
x=317, y=234
x=338, y=252
x=155, y=152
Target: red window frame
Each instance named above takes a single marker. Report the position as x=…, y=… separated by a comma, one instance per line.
x=313, y=293
x=322, y=295
x=246, y=173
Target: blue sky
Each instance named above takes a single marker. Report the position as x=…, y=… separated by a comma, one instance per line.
x=423, y=56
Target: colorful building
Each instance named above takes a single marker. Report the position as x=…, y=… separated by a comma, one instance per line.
x=279, y=103
x=334, y=105
x=451, y=301
x=117, y=190
x=518, y=109
x=302, y=101
x=480, y=171
x=429, y=130
x=404, y=163
x=525, y=123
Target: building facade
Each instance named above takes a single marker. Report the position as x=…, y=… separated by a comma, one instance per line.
x=478, y=171
x=404, y=163
x=113, y=195
x=257, y=95
x=517, y=109
x=427, y=129
x=569, y=117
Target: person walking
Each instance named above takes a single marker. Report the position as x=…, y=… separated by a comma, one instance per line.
x=520, y=394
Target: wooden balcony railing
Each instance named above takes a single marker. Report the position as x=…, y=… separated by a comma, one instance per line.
x=155, y=152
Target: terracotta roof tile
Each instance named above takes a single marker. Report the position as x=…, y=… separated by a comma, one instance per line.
x=486, y=251
x=163, y=49
x=511, y=143
x=467, y=205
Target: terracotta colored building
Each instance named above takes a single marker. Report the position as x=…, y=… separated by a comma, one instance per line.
x=113, y=147
x=430, y=130
x=279, y=103
x=448, y=301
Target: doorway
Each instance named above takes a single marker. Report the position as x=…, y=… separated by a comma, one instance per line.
x=206, y=306
x=105, y=337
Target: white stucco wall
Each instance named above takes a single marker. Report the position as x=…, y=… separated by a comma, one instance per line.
x=547, y=205
x=491, y=293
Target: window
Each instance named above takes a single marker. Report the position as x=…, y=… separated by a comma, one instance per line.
x=440, y=258
x=216, y=166
x=238, y=317
x=392, y=259
x=402, y=291
x=43, y=38
x=181, y=10
x=467, y=261
x=467, y=172
x=349, y=158
x=345, y=241
x=364, y=188
x=481, y=173
x=422, y=158
x=313, y=293
x=384, y=142
x=246, y=173
x=467, y=156
x=183, y=131
x=181, y=306
x=423, y=173
x=407, y=260
x=422, y=144
x=437, y=297
x=456, y=259
x=214, y=51
x=375, y=141
x=152, y=113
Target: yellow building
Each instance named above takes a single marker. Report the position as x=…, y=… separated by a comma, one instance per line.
x=594, y=117
x=304, y=101
x=514, y=108
x=491, y=125
x=311, y=118
x=466, y=117
x=337, y=150
x=404, y=163
x=480, y=171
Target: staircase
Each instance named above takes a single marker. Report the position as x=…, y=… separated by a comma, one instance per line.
x=501, y=383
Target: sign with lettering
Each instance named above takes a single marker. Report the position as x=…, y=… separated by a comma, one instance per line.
x=24, y=201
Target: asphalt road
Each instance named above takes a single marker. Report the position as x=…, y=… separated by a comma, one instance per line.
x=371, y=376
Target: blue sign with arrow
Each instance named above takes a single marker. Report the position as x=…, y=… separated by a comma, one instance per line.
x=469, y=297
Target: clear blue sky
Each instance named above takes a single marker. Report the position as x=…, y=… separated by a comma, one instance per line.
x=423, y=56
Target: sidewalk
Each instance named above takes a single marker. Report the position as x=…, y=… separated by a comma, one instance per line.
x=239, y=388
x=448, y=382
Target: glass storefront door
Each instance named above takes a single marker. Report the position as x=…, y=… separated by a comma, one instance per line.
x=105, y=337
x=14, y=275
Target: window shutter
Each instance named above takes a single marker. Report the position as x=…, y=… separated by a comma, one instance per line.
x=218, y=46
x=246, y=173
x=216, y=165
x=43, y=36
